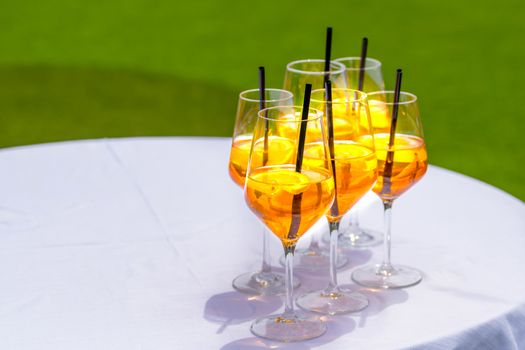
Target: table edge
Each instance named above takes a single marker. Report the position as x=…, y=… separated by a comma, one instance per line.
x=218, y=138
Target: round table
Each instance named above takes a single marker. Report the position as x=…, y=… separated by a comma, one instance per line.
x=133, y=244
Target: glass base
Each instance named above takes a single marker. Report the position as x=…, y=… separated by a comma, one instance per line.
x=391, y=277
x=356, y=237
x=335, y=302
x=288, y=328
x=262, y=283
x=314, y=259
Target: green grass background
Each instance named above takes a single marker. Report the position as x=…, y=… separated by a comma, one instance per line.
x=86, y=69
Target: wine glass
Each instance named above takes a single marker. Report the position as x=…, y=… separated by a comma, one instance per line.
x=402, y=161
x=289, y=197
x=264, y=281
x=354, y=165
x=299, y=73
x=372, y=74
x=356, y=236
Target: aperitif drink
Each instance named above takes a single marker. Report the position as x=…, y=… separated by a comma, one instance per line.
x=402, y=162
x=365, y=76
x=239, y=154
x=354, y=165
x=289, y=198
x=264, y=281
x=380, y=116
x=409, y=164
x=355, y=173
x=279, y=150
x=272, y=190
x=343, y=128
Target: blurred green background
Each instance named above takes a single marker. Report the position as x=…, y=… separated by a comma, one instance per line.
x=72, y=69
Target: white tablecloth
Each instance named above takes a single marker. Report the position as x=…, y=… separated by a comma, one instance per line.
x=133, y=244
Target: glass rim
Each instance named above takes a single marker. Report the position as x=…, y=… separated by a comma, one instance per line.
x=289, y=67
x=413, y=98
x=318, y=113
x=244, y=98
x=376, y=62
x=362, y=99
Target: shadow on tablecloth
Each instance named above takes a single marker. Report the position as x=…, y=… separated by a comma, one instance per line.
x=317, y=280
x=234, y=308
x=379, y=301
x=337, y=326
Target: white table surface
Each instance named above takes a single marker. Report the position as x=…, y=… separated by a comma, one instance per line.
x=133, y=244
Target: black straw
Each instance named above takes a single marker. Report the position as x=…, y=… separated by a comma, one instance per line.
x=262, y=83
x=389, y=161
x=334, y=210
x=362, y=63
x=329, y=115
x=262, y=105
x=327, y=53
x=302, y=132
x=395, y=108
x=297, y=198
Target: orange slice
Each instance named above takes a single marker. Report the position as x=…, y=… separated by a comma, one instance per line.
x=280, y=151
x=269, y=182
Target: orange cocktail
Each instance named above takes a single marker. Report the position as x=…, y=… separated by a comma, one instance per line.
x=270, y=193
x=280, y=150
x=409, y=164
x=355, y=174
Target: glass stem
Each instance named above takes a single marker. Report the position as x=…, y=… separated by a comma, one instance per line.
x=266, y=265
x=288, y=256
x=334, y=234
x=386, y=266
